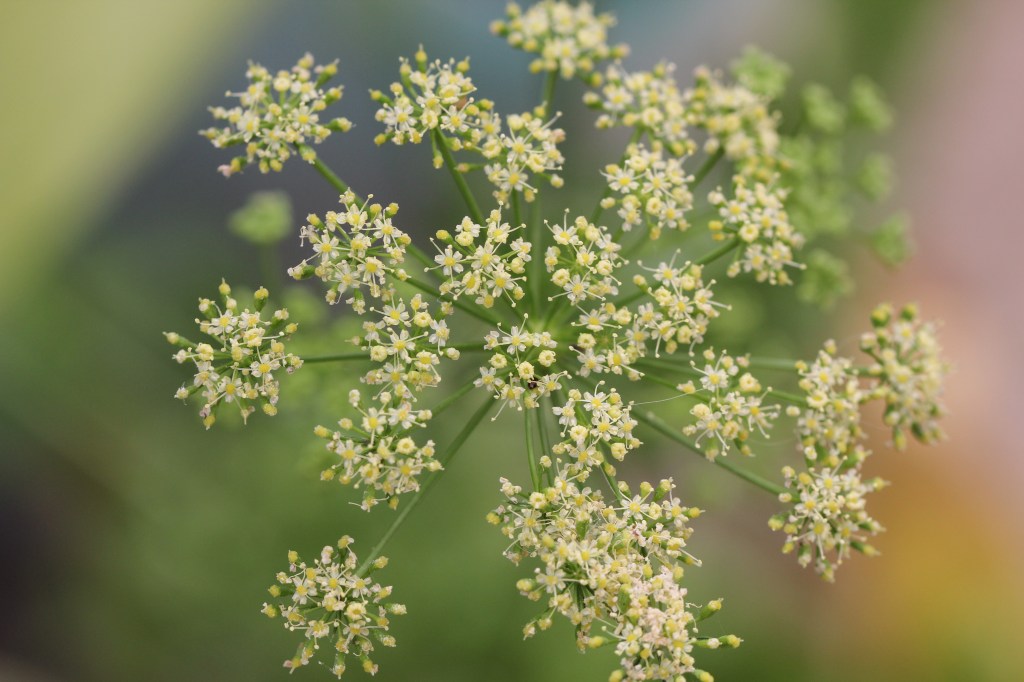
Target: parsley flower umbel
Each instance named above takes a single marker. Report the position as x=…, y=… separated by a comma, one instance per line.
x=731, y=405
x=648, y=101
x=756, y=217
x=567, y=39
x=356, y=249
x=585, y=327
x=909, y=372
x=241, y=366
x=827, y=518
x=649, y=189
x=483, y=260
x=334, y=600
x=277, y=115
x=612, y=569
x=829, y=426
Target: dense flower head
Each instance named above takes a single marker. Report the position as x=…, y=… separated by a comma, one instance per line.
x=276, y=114
x=376, y=450
x=517, y=372
x=827, y=517
x=563, y=305
x=407, y=340
x=529, y=147
x=737, y=120
x=678, y=307
x=829, y=426
x=582, y=261
x=594, y=425
x=437, y=96
x=909, y=371
x=483, y=261
x=650, y=190
x=756, y=217
x=730, y=407
x=648, y=101
x=611, y=568
x=567, y=39
x=657, y=631
x=246, y=356
x=356, y=250
x=332, y=600
x=430, y=96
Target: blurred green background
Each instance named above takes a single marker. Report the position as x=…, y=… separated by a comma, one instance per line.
x=136, y=545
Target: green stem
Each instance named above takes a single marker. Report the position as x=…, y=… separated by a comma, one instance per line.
x=456, y=445
x=329, y=175
x=460, y=182
x=544, y=442
x=536, y=267
x=612, y=483
x=773, y=363
x=655, y=378
x=424, y=259
x=338, y=357
x=549, y=90
x=452, y=399
x=788, y=397
x=553, y=307
x=660, y=426
x=706, y=168
x=718, y=253
x=365, y=355
x=531, y=454
x=517, y=217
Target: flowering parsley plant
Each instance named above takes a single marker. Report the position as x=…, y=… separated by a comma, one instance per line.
x=566, y=328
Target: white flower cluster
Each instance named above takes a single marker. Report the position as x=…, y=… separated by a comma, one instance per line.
x=583, y=260
x=827, y=517
x=609, y=343
x=649, y=101
x=331, y=600
x=517, y=372
x=909, y=372
x=736, y=119
x=355, y=249
x=407, y=339
x=487, y=268
x=360, y=249
x=731, y=406
x=651, y=190
x=756, y=216
x=277, y=113
x=567, y=39
x=829, y=427
x=240, y=365
x=437, y=96
x=611, y=569
x=594, y=425
x=432, y=96
x=530, y=146
x=676, y=311
x=377, y=452
x=656, y=639
x=683, y=305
